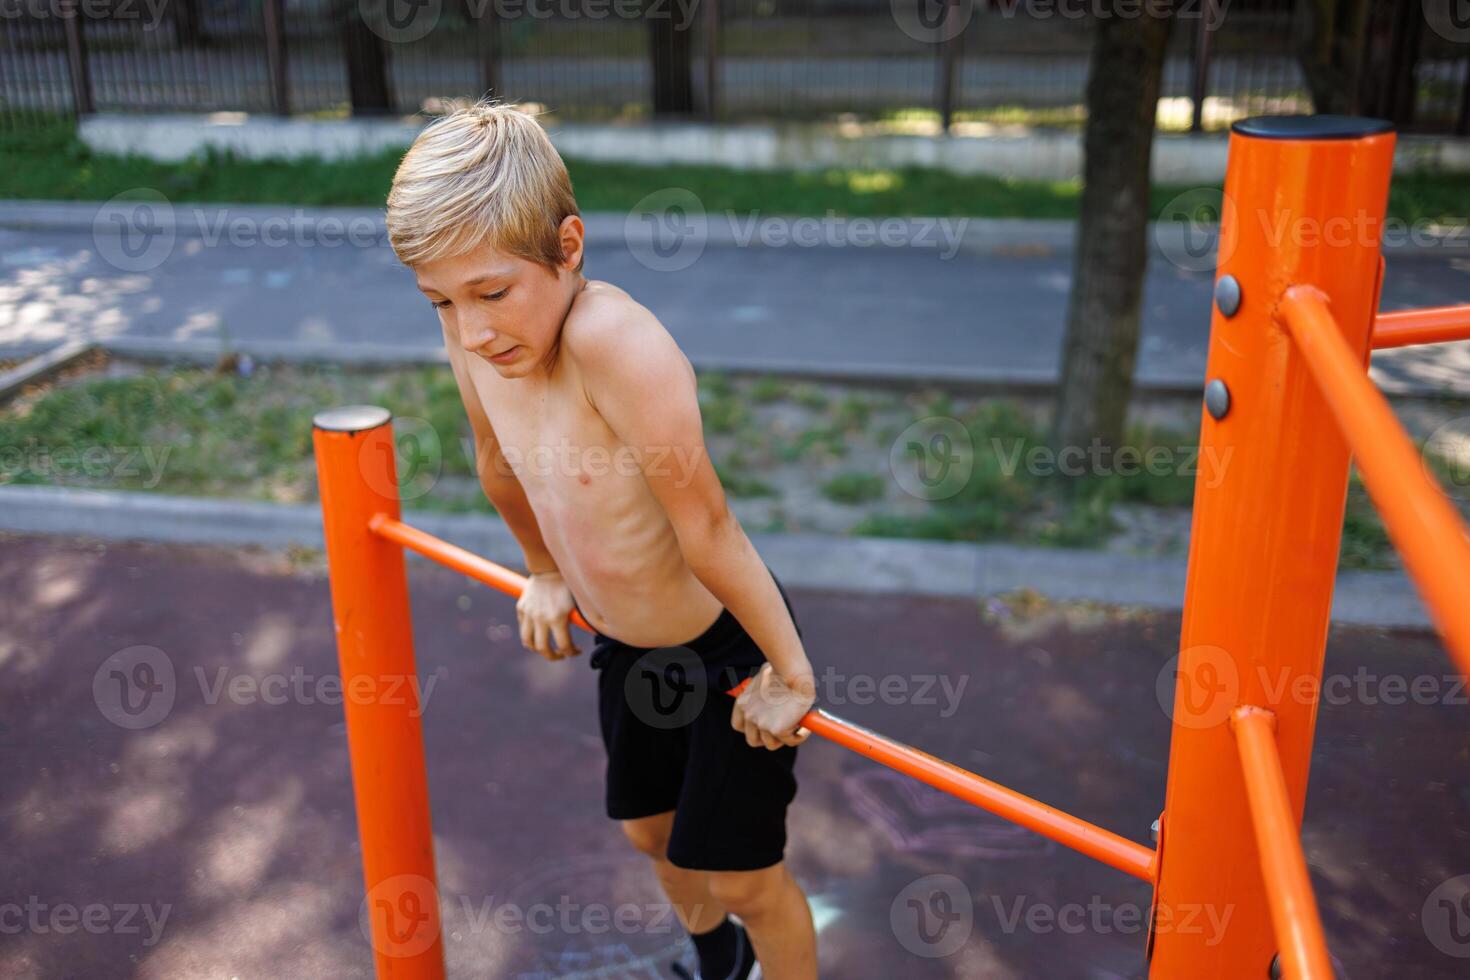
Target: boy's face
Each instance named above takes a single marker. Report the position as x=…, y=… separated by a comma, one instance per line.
x=503, y=308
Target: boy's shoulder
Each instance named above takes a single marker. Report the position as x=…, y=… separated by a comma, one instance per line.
x=607, y=332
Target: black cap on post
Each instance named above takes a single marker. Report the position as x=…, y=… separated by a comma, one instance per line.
x=1325, y=127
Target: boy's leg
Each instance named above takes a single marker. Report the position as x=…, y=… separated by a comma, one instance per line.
x=775, y=912
x=688, y=891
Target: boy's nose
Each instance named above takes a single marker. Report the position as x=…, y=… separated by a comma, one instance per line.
x=474, y=335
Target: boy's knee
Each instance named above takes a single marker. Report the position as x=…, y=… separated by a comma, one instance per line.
x=650, y=835
x=747, y=892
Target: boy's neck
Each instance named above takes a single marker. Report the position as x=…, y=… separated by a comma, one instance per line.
x=543, y=371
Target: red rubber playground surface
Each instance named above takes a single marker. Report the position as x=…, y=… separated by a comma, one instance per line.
x=206, y=829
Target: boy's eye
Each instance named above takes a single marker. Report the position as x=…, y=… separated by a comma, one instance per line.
x=439, y=305
x=498, y=294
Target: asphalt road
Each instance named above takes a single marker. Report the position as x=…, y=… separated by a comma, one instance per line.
x=204, y=827
x=920, y=311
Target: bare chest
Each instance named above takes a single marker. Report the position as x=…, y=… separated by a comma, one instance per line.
x=563, y=453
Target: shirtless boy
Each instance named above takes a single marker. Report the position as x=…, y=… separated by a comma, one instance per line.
x=588, y=441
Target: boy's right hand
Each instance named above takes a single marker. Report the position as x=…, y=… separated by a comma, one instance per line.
x=542, y=611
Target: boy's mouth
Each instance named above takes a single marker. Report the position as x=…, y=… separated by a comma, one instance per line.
x=505, y=355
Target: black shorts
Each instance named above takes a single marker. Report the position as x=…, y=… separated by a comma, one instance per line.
x=665, y=721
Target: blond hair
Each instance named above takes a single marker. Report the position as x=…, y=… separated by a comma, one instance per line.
x=484, y=172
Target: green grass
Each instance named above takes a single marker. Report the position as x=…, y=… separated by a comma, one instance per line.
x=198, y=431
x=1365, y=542
x=738, y=483
x=854, y=488
x=1014, y=492
x=721, y=409
x=50, y=162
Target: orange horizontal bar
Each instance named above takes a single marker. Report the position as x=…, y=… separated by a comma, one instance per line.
x=1278, y=841
x=1429, y=325
x=1421, y=522
x=452, y=556
x=1078, y=834
x=1094, y=841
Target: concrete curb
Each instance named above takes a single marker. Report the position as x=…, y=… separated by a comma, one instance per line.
x=42, y=366
x=977, y=378
x=972, y=379
x=1189, y=245
x=1020, y=152
x=804, y=561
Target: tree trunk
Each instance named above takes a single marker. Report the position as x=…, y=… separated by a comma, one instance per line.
x=188, y=26
x=671, y=49
x=1108, y=262
x=367, y=63
x=1330, y=38
x=1386, y=85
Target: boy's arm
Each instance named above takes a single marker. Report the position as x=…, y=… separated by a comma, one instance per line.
x=543, y=608
x=644, y=388
x=499, y=483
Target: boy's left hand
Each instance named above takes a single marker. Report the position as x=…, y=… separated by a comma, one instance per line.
x=768, y=710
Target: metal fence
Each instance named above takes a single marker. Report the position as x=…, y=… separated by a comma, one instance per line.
x=722, y=59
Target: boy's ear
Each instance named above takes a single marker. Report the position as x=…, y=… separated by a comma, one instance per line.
x=573, y=234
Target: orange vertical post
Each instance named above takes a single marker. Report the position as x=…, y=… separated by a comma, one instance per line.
x=380, y=691
x=1304, y=203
